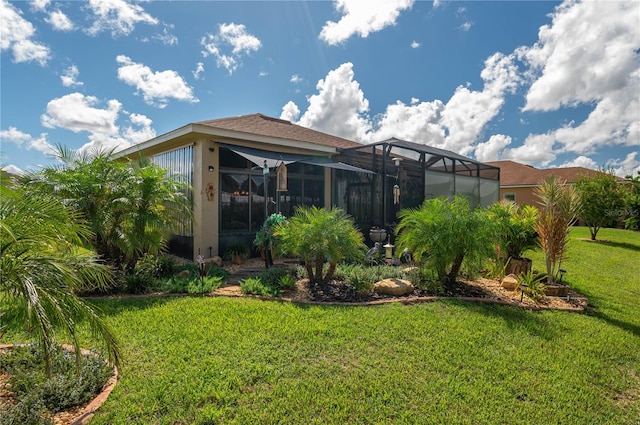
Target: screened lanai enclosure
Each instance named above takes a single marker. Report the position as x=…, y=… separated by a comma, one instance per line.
x=404, y=174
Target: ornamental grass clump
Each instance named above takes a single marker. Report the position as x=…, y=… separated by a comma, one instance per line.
x=559, y=205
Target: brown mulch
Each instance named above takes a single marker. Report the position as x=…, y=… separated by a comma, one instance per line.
x=479, y=290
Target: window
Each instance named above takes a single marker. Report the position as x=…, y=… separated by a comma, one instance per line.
x=509, y=196
x=242, y=192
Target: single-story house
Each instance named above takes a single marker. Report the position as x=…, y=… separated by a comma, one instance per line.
x=244, y=168
x=518, y=182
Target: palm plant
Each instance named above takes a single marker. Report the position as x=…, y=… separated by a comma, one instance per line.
x=517, y=232
x=129, y=207
x=559, y=205
x=319, y=236
x=42, y=264
x=444, y=233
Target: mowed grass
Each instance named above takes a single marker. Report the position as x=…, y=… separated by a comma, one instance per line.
x=201, y=360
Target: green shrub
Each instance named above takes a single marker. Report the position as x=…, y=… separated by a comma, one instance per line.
x=204, y=285
x=287, y=282
x=531, y=284
x=255, y=286
x=443, y=234
x=63, y=390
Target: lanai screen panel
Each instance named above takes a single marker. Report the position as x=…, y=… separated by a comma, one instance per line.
x=179, y=165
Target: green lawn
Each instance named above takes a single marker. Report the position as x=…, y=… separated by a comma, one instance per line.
x=229, y=360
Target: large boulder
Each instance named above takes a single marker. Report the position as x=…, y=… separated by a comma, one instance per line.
x=393, y=286
x=183, y=273
x=216, y=261
x=510, y=282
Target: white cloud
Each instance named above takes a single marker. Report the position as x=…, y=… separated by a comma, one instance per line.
x=166, y=37
x=536, y=149
x=491, y=150
x=587, y=52
x=629, y=166
x=75, y=112
x=338, y=107
x=467, y=112
x=466, y=26
x=415, y=44
x=290, y=112
x=12, y=169
x=295, y=79
x=156, y=87
x=16, y=34
x=40, y=5
x=70, y=77
x=14, y=135
x=362, y=18
x=341, y=108
x=117, y=16
x=235, y=36
x=581, y=161
x=199, y=70
x=59, y=21
x=588, y=55
x=419, y=122
x=21, y=139
x=79, y=113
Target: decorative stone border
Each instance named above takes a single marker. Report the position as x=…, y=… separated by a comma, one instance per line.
x=403, y=300
x=88, y=411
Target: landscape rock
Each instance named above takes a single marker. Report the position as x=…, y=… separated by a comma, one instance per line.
x=216, y=261
x=393, y=286
x=510, y=282
x=183, y=273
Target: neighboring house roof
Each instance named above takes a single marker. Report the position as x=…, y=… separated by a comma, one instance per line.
x=513, y=174
x=264, y=125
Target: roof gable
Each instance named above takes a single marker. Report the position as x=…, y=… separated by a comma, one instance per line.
x=263, y=125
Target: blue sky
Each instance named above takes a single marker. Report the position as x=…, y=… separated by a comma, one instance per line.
x=544, y=83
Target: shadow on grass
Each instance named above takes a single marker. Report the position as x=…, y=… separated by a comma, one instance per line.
x=630, y=327
x=519, y=319
x=621, y=245
x=112, y=306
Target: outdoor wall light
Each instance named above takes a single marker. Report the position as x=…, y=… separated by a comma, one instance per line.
x=396, y=161
x=212, y=149
x=211, y=168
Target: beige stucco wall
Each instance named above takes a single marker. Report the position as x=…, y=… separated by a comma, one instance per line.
x=524, y=195
x=205, y=205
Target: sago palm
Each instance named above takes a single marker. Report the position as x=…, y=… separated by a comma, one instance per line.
x=41, y=267
x=321, y=236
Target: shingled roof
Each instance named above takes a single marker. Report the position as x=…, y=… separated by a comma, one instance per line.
x=264, y=125
x=515, y=174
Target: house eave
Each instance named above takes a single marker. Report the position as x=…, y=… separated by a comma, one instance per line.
x=192, y=132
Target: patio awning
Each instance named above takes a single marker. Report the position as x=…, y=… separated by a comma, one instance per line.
x=259, y=156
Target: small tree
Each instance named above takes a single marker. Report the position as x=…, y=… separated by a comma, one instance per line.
x=445, y=233
x=632, y=202
x=602, y=199
x=559, y=205
x=321, y=236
